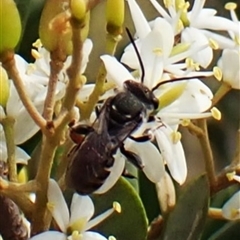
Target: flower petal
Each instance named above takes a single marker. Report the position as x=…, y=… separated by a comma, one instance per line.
x=197, y=39
x=115, y=70
x=115, y=173
x=231, y=209
x=92, y=236
x=195, y=92
x=151, y=158
x=50, y=235
x=140, y=22
x=60, y=210
x=82, y=209
x=230, y=67
x=172, y=153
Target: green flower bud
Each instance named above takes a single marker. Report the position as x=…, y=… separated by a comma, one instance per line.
x=78, y=9
x=54, y=29
x=115, y=16
x=10, y=26
x=4, y=87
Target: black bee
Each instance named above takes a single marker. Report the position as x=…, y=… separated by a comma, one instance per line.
x=118, y=118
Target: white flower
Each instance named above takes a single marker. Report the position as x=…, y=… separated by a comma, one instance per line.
x=229, y=64
x=35, y=87
x=231, y=209
x=41, y=65
x=20, y=155
x=198, y=26
x=171, y=149
x=73, y=225
x=158, y=49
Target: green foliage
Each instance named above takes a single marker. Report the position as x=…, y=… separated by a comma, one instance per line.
x=132, y=219
x=187, y=219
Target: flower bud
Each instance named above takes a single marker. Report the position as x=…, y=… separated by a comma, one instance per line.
x=54, y=29
x=78, y=9
x=4, y=90
x=10, y=26
x=115, y=16
x=166, y=193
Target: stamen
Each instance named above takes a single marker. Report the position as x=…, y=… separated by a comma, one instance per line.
x=185, y=122
x=176, y=136
x=116, y=207
x=235, y=212
x=213, y=44
x=230, y=6
x=76, y=235
x=30, y=68
x=190, y=64
x=37, y=44
x=158, y=51
x=35, y=54
x=112, y=238
x=216, y=113
x=232, y=176
x=168, y=3
x=50, y=206
x=217, y=72
x=237, y=40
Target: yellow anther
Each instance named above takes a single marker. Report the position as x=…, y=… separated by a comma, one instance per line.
x=168, y=3
x=112, y=238
x=117, y=207
x=217, y=72
x=235, y=212
x=50, y=206
x=179, y=26
x=230, y=176
x=237, y=39
x=37, y=43
x=158, y=51
x=185, y=122
x=76, y=235
x=176, y=137
x=213, y=44
x=216, y=113
x=30, y=68
x=191, y=64
x=35, y=54
x=230, y=6
x=187, y=5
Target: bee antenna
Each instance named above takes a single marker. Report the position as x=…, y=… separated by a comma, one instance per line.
x=137, y=53
x=175, y=80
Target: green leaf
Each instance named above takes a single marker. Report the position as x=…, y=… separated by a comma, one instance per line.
x=229, y=231
x=218, y=200
x=186, y=221
x=122, y=225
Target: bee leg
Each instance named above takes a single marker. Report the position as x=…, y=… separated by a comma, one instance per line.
x=78, y=132
x=127, y=174
x=143, y=138
x=132, y=157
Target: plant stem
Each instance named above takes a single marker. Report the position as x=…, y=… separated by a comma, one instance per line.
x=75, y=80
x=56, y=65
x=221, y=92
x=8, y=127
x=207, y=152
x=41, y=220
x=8, y=62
